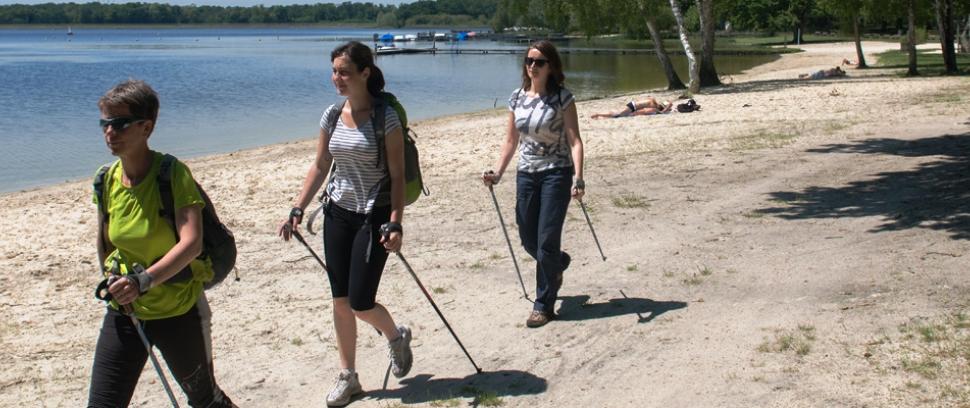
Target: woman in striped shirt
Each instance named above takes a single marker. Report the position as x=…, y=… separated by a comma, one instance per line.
x=365, y=191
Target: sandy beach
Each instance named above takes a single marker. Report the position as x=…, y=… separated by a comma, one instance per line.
x=793, y=244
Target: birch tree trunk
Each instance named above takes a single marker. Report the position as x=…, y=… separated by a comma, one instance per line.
x=695, y=84
x=673, y=80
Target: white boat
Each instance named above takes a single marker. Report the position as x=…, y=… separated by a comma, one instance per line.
x=69, y=32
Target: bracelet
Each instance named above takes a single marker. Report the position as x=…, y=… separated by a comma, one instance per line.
x=296, y=212
x=580, y=184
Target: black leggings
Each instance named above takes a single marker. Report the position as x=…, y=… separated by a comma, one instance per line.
x=183, y=341
x=355, y=255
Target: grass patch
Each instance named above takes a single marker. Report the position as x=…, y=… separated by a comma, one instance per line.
x=692, y=280
x=630, y=200
x=931, y=356
x=296, y=341
x=798, y=341
x=632, y=268
x=495, y=256
x=439, y=290
x=926, y=63
x=705, y=271
x=446, y=403
x=926, y=367
x=488, y=399
x=762, y=139
x=477, y=265
x=668, y=274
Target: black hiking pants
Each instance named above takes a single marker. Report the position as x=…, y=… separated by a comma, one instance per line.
x=185, y=346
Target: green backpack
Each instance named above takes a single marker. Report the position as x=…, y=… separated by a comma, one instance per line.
x=413, y=184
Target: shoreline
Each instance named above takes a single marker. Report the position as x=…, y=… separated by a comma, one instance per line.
x=784, y=246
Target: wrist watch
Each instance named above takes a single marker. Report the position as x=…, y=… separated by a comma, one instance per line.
x=580, y=184
x=296, y=212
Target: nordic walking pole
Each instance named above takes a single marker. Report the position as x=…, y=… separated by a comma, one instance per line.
x=385, y=233
x=106, y=296
x=590, y=223
x=151, y=355
x=518, y=273
x=299, y=237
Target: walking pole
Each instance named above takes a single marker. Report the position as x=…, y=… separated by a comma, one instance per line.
x=590, y=223
x=407, y=266
x=518, y=273
x=106, y=296
x=151, y=355
x=299, y=237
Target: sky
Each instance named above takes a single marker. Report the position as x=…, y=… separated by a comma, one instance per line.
x=244, y=3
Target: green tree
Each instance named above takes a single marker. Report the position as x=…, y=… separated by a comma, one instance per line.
x=852, y=14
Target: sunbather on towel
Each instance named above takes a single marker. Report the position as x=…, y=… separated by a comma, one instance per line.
x=824, y=73
x=634, y=108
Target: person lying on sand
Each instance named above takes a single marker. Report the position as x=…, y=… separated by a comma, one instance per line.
x=824, y=73
x=634, y=108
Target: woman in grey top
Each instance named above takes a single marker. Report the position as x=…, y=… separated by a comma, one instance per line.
x=544, y=125
x=365, y=191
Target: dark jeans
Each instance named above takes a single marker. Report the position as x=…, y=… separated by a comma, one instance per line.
x=540, y=209
x=355, y=255
x=120, y=357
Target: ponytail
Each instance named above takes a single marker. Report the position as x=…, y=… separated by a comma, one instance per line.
x=375, y=82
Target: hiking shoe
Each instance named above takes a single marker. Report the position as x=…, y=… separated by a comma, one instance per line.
x=399, y=351
x=538, y=319
x=347, y=386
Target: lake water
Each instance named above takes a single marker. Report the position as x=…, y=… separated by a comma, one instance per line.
x=224, y=89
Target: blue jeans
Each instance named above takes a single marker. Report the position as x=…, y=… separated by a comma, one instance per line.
x=540, y=209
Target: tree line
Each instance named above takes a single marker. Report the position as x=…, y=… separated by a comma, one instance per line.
x=656, y=19
x=425, y=12
x=684, y=19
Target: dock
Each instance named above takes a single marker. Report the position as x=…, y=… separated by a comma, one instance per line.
x=605, y=51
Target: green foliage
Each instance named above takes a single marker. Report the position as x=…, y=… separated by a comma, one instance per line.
x=433, y=12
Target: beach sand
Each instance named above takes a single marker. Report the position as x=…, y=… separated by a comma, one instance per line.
x=791, y=245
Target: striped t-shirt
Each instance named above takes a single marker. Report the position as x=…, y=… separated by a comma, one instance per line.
x=541, y=122
x=358, y=178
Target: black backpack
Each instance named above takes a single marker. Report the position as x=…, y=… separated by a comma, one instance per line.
x=689, y=106
x=218, y=243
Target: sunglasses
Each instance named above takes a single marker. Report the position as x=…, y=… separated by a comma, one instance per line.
x=539, y=62
x=118, y=124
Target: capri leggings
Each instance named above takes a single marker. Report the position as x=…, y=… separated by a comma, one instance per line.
x=355, y=255
x=184, y=342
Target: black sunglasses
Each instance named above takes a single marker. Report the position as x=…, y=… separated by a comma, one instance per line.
x=540, y=62
x=118, y=124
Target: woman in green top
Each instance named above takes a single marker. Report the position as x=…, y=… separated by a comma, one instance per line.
x=141, y=252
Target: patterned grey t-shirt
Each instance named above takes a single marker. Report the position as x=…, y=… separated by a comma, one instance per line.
x=542, y=130
x=357, y=180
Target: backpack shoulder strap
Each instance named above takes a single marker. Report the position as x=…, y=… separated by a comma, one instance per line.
x=380, y=112
x=335, y=116
x=167, y=209
x=99, y=187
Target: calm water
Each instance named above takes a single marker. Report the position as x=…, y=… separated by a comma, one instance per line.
x=226, y=89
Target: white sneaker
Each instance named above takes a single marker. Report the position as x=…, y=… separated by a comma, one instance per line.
x=399, y=351
x=346, y=387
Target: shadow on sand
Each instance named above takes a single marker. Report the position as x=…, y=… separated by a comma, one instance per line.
x=934, y=194
x=575, y=308
x=488, y=385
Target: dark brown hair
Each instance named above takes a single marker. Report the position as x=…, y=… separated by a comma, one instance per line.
x=362, y=57
x=556, y=77
x=137, y=95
